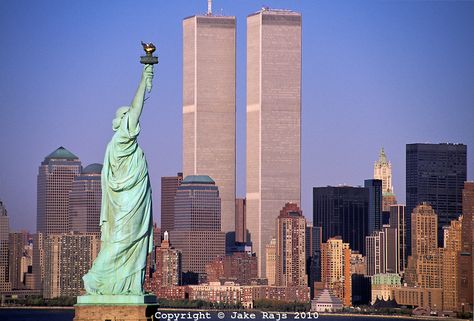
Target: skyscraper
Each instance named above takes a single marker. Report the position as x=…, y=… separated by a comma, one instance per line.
x=85, y=200
x=19, y=259
x=55, y=178
x=424, y=268
x=4, y=260
x=451, y=250
x=383, y=171
x=240, y=221
x=435, y=173
x=68, y=257
x=375, y=249
x=167, y=271
x=291, y=247
x=336, y=268
x=169, y=186
x=382, y=249
x=273, y=121
x=313, y=255
x=342, y=211
x=197, y=224
x=209, y=105
x=374, y=222
x=38, y=260
x=270, y=261
x=397, y=220
x=392, y=249
x=465, y=300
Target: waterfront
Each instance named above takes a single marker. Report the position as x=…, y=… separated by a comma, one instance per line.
x=48, y=314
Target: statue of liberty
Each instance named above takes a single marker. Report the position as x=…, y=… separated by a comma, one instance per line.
x=126, y=213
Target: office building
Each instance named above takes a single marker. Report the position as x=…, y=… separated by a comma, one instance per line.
x=382, y=248
x=435, y=173
x=392, y=249
x=424, y=267
x=374, y=222
x=375, y=249
x=450, y=265
x=38, y=261
x=209, y=105
x=239, y=267
x=5, y=284
x=383, y=171
x=360, y=283
x=313, y=255
x=67, y=258
x=55, y=179
x=291, y=247
x=270, y=262
x=20, y=258
x=169, y=186
x=342, y=211
x=397, y=221
x=427, y=298
x=465, y=299
x=85, y=200
x=197, y=224
x=273, y=121
x=240, y=221
x=336, y=268
x=167, y=267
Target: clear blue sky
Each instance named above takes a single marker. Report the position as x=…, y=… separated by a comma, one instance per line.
x=375, y=73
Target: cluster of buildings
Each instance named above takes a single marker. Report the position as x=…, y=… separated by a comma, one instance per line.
x=361, y=248
x=52, y=261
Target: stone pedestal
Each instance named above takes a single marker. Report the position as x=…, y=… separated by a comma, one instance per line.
x=115, y=308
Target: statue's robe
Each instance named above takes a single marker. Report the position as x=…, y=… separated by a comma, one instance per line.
x=125, y=218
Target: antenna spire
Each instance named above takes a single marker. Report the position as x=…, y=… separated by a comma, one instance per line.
x=209, y=7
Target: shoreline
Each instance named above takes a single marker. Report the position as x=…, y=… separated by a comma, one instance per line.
x=36, y=308
x=324, y=315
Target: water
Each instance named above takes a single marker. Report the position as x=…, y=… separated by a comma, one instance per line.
x=36, y=315
x=68, y=315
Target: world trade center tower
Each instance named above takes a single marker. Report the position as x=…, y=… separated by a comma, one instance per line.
x=209, y=105
x=273, y=121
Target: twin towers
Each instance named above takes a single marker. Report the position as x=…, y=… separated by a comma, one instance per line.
x=273, y=151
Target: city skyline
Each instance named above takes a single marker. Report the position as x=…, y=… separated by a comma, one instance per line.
x=401, y=57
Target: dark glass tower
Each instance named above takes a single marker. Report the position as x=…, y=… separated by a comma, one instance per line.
x=435, y=173
x=313, y=256
x=375, y=204
x=342, y=211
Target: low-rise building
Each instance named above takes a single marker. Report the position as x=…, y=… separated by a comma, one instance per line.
x=326, y=301
x=383, y=286
x=428, y=298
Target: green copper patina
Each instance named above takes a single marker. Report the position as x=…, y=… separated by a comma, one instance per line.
x=126, y=213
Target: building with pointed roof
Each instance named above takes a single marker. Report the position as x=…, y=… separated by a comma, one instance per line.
x=55, y=179
x=326, y=301
x=383, y=171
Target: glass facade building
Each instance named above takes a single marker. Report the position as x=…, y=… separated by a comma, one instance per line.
x=435, y=173
x=342, y=211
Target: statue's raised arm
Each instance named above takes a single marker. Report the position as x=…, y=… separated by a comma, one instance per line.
x=137, y=102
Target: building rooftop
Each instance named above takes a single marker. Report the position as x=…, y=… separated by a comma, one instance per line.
x=93, y=169
x=61, y=153
x=268, y=10
x=328, y=298
x=382, y=157
x=198, y=179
